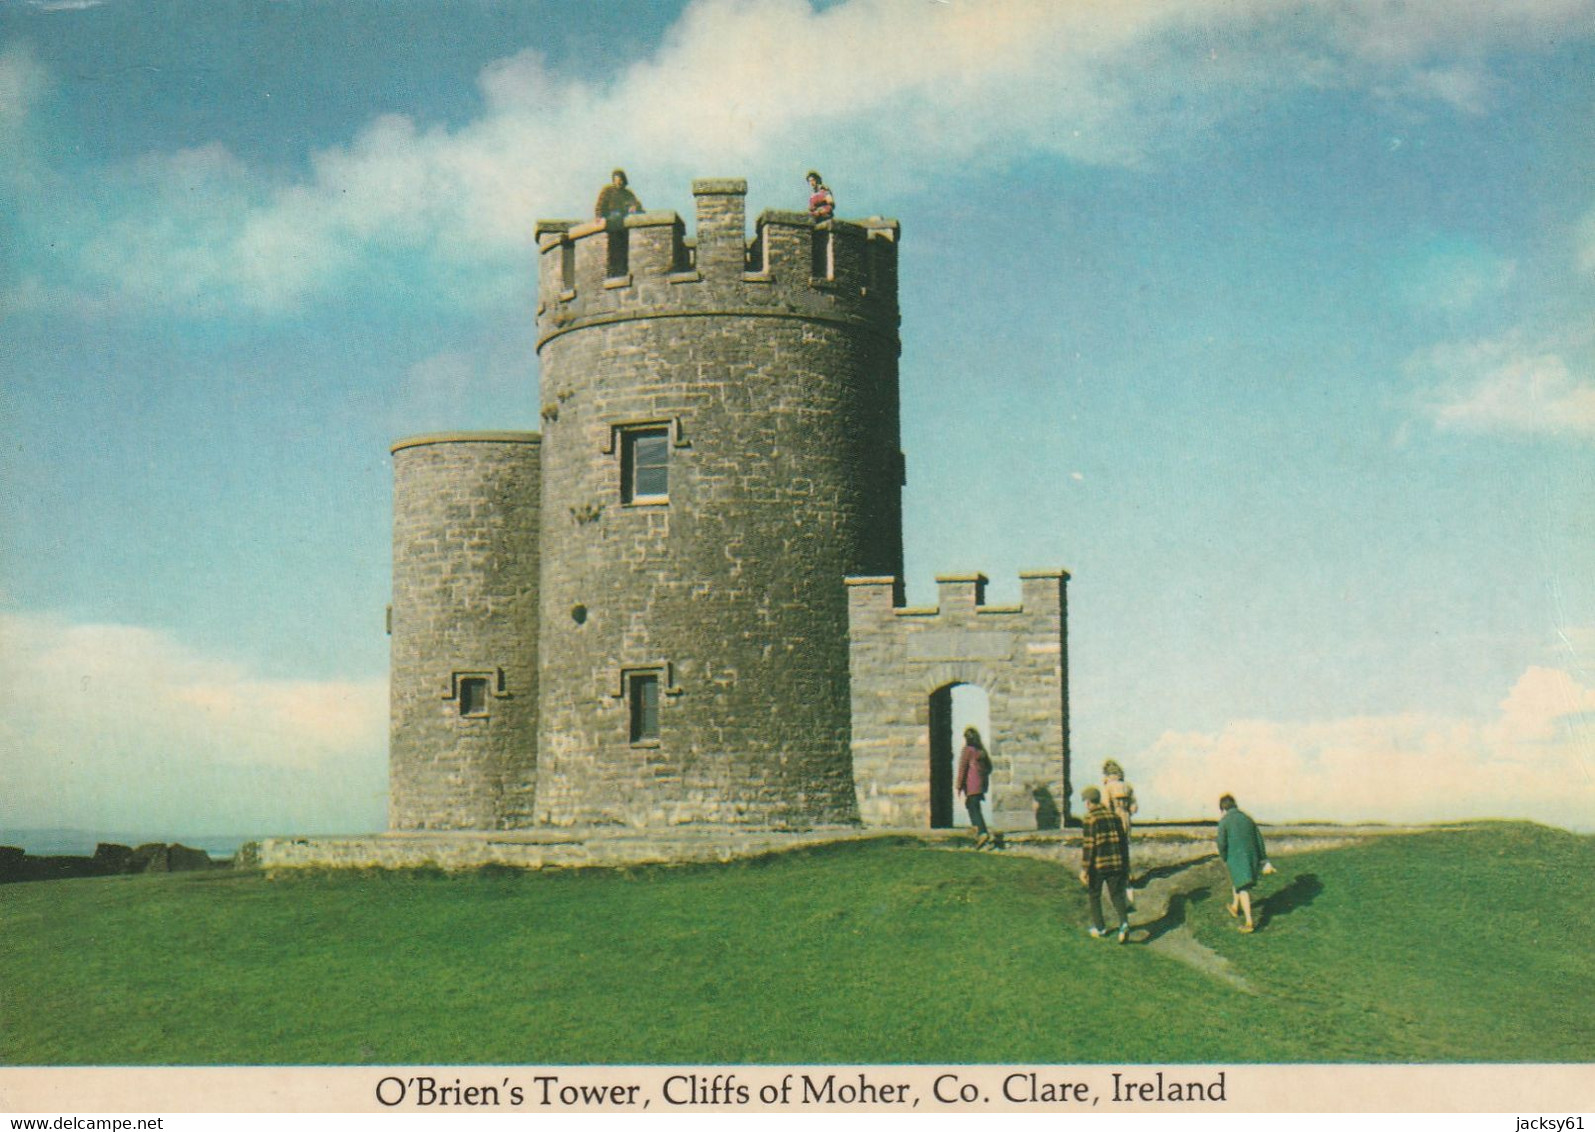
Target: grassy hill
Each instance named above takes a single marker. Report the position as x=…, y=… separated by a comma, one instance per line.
x=1455, y=945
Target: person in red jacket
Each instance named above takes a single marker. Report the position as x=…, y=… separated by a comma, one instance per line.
x=974, y=775
x=822, y=205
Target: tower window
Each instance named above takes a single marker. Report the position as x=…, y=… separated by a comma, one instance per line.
x=643, y=696
x=473, y=695
x=567, y=265
x=645, y=465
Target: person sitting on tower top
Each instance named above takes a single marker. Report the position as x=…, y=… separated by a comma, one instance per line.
x=822, y=205
x=616, y=201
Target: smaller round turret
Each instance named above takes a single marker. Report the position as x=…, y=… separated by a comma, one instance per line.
x=464, y=627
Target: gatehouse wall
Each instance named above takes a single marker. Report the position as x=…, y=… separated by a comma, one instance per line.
x=901, y=655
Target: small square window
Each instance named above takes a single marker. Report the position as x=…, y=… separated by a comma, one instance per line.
x=473, y=695
x=643, y=696
x=645, y=465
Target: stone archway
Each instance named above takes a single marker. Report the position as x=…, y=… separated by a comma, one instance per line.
x=953, y=707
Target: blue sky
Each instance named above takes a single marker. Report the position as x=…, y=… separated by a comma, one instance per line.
x=1272, y=322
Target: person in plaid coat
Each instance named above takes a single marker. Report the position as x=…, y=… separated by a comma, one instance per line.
x=1104, y=862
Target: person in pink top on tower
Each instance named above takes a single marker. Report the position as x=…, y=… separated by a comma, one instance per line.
x=974, y=775
x=822, y=205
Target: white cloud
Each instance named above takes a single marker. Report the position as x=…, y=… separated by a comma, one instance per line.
x=200, y=237
x=1413, y=31
x=910, y=91
x=1506, y=386
x=23, y=82
x=1535, y=760
x=123, y=727
x=1542, y=705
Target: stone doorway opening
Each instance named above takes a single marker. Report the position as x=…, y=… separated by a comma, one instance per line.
x=953, y=707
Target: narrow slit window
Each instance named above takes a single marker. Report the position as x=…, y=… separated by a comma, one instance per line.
x=645, y=465
x=644, y=697
x=567, y=265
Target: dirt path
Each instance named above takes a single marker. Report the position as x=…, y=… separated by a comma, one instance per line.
x=1178, y=878
x=1160, y=917
x=1171, y=879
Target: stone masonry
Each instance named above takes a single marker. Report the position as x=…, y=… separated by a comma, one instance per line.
x=544, y=588
x=465, y=572
x=903, y=658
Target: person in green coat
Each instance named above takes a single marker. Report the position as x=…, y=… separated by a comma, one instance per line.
x=1240, y=847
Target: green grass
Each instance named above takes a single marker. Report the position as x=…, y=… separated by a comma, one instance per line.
x=1449, y=945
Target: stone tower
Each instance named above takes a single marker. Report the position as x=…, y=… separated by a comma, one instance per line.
x=682, y=601
x=719, y=451
x=463, y=685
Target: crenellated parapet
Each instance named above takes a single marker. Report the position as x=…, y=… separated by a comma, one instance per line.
x=902, y=657
x=649, y=267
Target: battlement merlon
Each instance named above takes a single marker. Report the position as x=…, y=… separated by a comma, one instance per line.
x=722, y=224
x=1041, y=592
x=849, y=265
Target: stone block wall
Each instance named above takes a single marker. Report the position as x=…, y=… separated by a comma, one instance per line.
x=900, y=657
x=465, y=585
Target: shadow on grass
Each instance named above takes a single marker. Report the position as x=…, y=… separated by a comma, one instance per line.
x=1300, y=892
x=1162, y=872
x=1173, y=916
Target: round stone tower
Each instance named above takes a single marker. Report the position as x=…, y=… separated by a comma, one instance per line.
x=720, y=451
x=463, y=744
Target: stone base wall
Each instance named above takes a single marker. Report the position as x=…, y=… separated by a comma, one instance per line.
x=531, y=849
x=595, y=848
